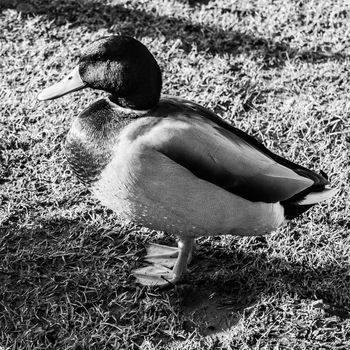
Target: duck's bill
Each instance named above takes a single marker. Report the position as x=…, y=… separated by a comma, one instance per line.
x=72, y=82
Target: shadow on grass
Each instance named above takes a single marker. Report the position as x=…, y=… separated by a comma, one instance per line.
x=62, y=277
x=223, y=287
x=134, y=22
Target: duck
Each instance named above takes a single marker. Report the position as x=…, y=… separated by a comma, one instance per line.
x=172, y=165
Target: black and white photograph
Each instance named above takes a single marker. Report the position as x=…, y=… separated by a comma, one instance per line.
x=174, y=174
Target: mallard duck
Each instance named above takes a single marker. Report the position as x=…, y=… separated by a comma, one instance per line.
x=172, y=165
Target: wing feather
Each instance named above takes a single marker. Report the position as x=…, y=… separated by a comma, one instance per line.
x=223, y=158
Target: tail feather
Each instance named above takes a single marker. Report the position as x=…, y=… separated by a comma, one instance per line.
x=316, y=197
x=292, y=211
x=304, y=200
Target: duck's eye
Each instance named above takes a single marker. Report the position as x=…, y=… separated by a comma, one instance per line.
x=70, y=77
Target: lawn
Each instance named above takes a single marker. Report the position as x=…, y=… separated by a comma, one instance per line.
x=278, y=70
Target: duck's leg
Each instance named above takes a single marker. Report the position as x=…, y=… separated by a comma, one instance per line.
x=162, y=259
x=185, y=256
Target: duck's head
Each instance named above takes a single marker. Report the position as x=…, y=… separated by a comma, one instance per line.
x=119, y=65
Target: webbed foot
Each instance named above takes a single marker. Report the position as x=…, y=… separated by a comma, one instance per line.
x=154, y=275
x=162, y=255
x=162, y=258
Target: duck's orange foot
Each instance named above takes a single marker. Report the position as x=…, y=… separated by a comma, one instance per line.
x=162, y=258
x=163, y=255
x=154, y=275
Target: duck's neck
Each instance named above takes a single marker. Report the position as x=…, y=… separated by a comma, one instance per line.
x=125, y=110
x=139, y=102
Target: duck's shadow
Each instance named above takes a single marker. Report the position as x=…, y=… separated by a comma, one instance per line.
x=73, y=257
x=139, y=23
x=224, y=286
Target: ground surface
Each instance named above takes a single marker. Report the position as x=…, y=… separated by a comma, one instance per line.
x=278, y=70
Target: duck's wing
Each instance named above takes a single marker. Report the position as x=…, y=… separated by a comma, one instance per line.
x=225, y=156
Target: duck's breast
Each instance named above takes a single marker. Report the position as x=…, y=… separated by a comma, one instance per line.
x=91, y=140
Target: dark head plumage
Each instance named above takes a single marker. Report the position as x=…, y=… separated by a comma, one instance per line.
x=118, y=64
x=123, y=67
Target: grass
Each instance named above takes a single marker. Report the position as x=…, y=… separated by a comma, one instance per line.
x=276, y=69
